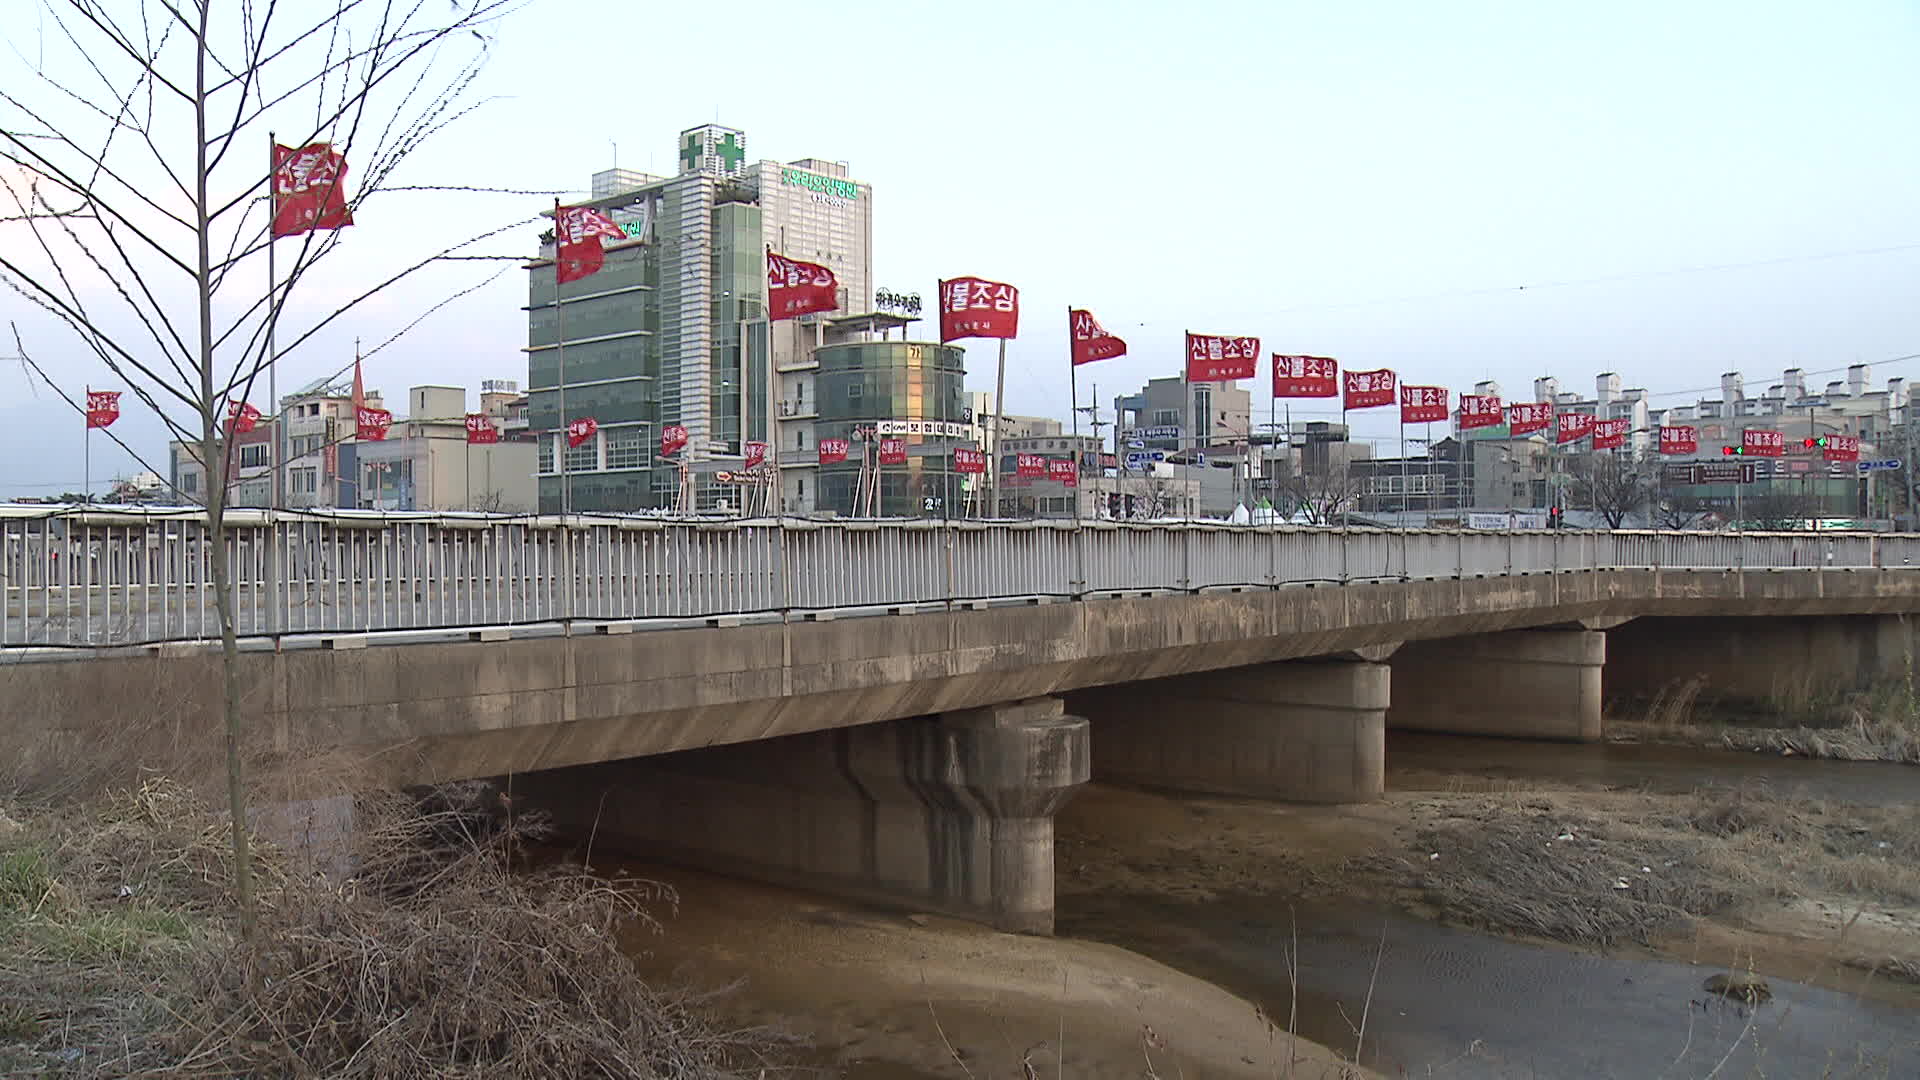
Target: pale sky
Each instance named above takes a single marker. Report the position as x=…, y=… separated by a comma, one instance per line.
x=1371, y=182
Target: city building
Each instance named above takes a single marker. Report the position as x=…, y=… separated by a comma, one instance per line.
x=321, y=445
x=673, y=329
x=1174, y=414
x=249, y=469
x=426, y=463
x=1044, y=496
x=868, y=389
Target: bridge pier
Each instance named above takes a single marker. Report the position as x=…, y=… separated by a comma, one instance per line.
x=1302, y=730
x=1535, y=684
x=951, y=813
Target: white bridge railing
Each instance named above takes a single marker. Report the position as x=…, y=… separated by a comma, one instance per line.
x=99, y=578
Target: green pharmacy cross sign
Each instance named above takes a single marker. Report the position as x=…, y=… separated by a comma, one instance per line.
x=729, y=150
x=690, y=151
x=731, y=153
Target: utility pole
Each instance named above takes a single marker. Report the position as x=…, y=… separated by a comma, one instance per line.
x=1099, y=453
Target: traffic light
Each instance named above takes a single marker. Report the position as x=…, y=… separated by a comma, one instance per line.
x=1811, y=443
x=1733, y=451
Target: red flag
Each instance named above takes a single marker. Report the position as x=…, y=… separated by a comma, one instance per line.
x=833, y=451
x=1062, y=470
x=580, y=430
x=241, y=417
x=673, y=439
x=103, y=408
x=372, y=424
x=1478, y=411
x=974, y=307
x=969, y=459
x=1423, y=404
x=1527, y=417
x=797, y=288
x=1029, y=465
x=893, y=451
x=1679, y=439
x=1090, y=342
x=1217, y=357
x=480, y=429
x=756, y=454
x=1368, y=389
x=1759, y=442
x=307, y=189
x=1843, y=448
x=1305, y=376
x=1572, y=426
x=1610, y=434
x=577, y=231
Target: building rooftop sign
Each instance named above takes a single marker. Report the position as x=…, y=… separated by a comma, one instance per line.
x=825, y=185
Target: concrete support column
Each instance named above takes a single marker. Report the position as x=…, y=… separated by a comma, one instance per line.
x=951, y=813
x=1536, y=684
x=1303, y=730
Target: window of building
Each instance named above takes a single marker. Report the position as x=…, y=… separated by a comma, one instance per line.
x=190, y=481
x=626, y=448
x=546, y=454
x=253, y=456
x=854, y=390
x=799, y=439
x=585, y=457
x=304, y=481
x=1166, y=417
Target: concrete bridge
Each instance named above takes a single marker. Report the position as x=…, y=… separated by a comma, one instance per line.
x=896, y=710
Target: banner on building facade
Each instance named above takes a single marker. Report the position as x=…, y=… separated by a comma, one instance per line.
x=1062, y=470
x=1679, y=439
x=1842, y=448
x=1368, y=389
x=1527, y=417
x=1219, y=357
x=833, y=451
x=480, y=429
x=1610, y=434
x=577, y=232
x=893, y=451
x=1760, y=442
x=937, y=428
x=103, y=408
x=969, y=459
x=1305, y=376
x=1572, y=426
x=756, y=454
x=581, y=430
x=796, y=288
x=1090, y=341
x=309, y=189
x=1478, y=411
x=1029, y=465
x=972, y=307
x=673, y=439
x=1423, y=404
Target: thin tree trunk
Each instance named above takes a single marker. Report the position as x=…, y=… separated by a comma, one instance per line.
x=214, y=454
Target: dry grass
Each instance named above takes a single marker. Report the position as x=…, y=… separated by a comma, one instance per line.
x=1878, y=724
x=1587, y=872
x=440, y=957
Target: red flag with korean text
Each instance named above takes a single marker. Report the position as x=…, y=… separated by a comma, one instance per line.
x=580, y=430
x=1368, y=389
x=1478, y=411
x=1029, y=465
x=1760, y=442
x=103, y=408
x=1219, y=357
x=1572, y=426
x=1679, y=439
x=1090, y=341
x=969, y=459
x=369, y=423
x=1305, y=376
x=308, y=191
x=1062, y=470
x=577, y=232
x=673, y=438
x=893, y=451
x=833, y=451
x=796, y=288
x=241, y=417
x=1527, y=417
x=1610, y=434
x=756, y=454
x=1842, y=448
x=973, y=307
x=1423, y=404
x=480, y=429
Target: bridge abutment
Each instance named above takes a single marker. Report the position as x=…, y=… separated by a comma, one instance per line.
x=1535, y=684
x=1776, y=663
x=952, y=813
x=1303, y=730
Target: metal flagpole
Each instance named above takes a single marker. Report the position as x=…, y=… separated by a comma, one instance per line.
x=999, y=419
x=86, y=453
x=273, y=319
x=1073, y=408
x=1426, y=519
x=560, y=353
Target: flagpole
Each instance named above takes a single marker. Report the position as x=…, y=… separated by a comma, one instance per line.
x=273, y=318
x=1073, y=410
x=86, y=452
x=560, y=354
x=999, y=418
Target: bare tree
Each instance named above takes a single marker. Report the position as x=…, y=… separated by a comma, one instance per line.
x=1611, y=485
x=141, y=203
x=1322, y=496
x=1673, y=510
x=1779, y=509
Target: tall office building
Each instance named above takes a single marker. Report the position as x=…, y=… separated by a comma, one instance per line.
x=673, y=329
